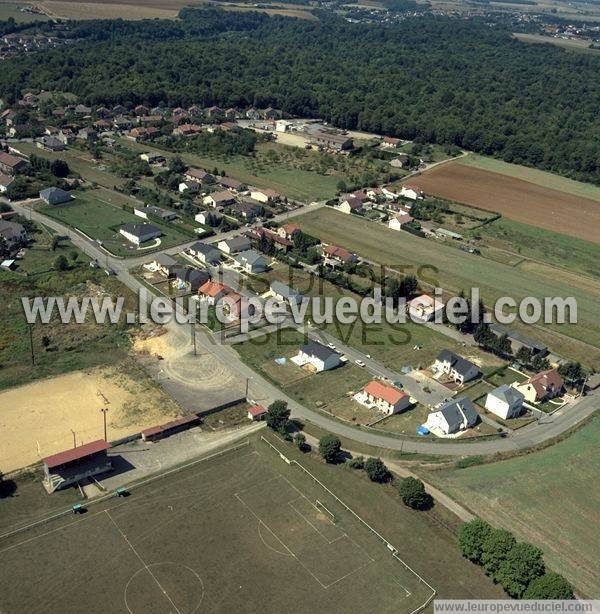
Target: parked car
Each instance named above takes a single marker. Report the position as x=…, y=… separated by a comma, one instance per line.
x=360, y=363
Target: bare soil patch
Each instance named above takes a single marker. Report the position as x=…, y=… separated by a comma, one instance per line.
x=39, y=419
x=516, y=199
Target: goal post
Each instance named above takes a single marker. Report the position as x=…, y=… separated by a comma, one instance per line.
x=321, y=506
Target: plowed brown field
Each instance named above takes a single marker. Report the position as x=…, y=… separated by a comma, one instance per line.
x=514, y=198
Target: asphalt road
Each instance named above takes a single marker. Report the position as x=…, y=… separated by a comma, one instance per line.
x=262, y=390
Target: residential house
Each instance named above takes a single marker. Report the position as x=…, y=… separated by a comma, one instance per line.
x=236, y=307
x=158, y=212
x=122, y=123
x=287, y=231
x=453, y=417
x=253, y=113
x=384, y=397
x=425, y=308
x=11, y=165
x=505, y=401
x=400, y=219
x=119, y=110
x=208, y=218
x=190, y=280
x=264, y=196
x=199, y=175
x=284, y=293
x=400, y=161
x=153, y=158
x=412, y=192
x=271, y=113
x=206, y=253
x=334, y=142
x=187, y=129
x=142, y=134
x=223, y=198
x=351, y=203
x=87, y=134
x=230, y=184
x=13, y=234
x=230, y=113
x=390, y=192
x=247, y=210
x=81, y=109
x=262, y=237
x=252, y=262
x=141, y=110
x=66, y=136
x=234, y=245
x=55, y=196
x=338, y=255
x=49, y=143
x=166, y=264
x=213, y=291
x=317, y=357
x=458, y=368
x=215, y=112
x=6, y=183
x=139, y=233
x=192, y=187
x=542, y=386
x=390, y=142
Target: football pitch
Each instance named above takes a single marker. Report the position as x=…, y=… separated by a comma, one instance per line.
x=218, y=536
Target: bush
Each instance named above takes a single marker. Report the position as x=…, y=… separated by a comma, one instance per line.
x=469, y=461
x=549, y=586
x=61, y=263
x=278, y=415
x=471, y=537
x=413, y=494
x=377, y=471
x=357, y=462
x=329, y=448
x=300, y=441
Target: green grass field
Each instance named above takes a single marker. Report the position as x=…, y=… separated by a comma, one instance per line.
x=98, y=214
x=437, y=263
x=262, y=532
x=543, y=178
x=69, y=347
x=79, y=161
x=554, y=248
x=547, y=498
x=8, y=10
x=293, y=183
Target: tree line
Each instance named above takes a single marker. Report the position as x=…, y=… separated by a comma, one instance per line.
x=433, y=79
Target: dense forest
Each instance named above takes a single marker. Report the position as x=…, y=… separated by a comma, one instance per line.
x=434, y=79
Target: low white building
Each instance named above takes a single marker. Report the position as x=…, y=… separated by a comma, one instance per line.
x=264, y=196
x=252, y=262
x=283, y=125
x=399, y=219
x=424, y=308
x=453, y=417
x=383, y=397
x=140, y=233
x=411, y=192
x=505, y=401
x=319, y=356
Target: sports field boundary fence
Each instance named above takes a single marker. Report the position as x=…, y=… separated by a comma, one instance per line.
x=380, y=537
x=129, y=487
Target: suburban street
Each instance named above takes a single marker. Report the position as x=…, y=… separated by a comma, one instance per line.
x=263, y=391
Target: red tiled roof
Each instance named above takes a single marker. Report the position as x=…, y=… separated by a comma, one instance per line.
x=74, y=454
x=212, y=288
x=388, y=393
x=257, y=410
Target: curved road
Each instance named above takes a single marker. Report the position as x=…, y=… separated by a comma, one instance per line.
x=262, y=390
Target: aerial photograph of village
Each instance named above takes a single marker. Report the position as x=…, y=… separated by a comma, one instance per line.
x=300, y=306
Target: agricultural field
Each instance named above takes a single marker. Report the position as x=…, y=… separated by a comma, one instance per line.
x=58, y=348
x=546, y=498
x=452, y=269
x=568, y=43
x=99, y=215
x=533, y=175
x=13, y=10
x=267, y=528
x=514, y=198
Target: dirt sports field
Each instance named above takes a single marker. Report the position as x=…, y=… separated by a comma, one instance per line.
x=46, y=413
x=216, y=537
x=514, y=198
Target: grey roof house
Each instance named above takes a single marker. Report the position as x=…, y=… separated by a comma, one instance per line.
x=505, y=401
x=458, y=368
x=205, y=253
x=55, y=196
x=285, y=293
x=140, y=233
x=252, y=262
x=453, y=417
